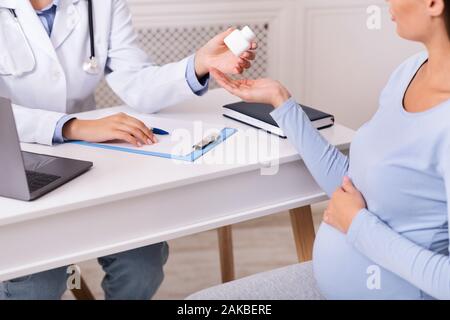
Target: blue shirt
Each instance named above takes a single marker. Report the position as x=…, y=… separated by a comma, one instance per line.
x=397, y=248
x=47, y=16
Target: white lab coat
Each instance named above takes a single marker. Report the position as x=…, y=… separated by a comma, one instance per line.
x=58, y=85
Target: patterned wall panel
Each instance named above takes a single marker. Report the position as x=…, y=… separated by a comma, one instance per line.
x=169, y=44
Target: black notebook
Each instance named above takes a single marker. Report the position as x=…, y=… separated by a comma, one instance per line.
x=258, y=115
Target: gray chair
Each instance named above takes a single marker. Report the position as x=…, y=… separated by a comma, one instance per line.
x=294, y=282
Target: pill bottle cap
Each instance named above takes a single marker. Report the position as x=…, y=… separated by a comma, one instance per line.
x=248, y=34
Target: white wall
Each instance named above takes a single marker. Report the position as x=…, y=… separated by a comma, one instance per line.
x=345, y=65
x=321, y=49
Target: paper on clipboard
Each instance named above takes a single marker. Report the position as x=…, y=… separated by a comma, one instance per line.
x=183, y=135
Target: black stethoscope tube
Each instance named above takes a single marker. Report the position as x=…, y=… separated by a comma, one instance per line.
x=91, y=28
x=13, y=12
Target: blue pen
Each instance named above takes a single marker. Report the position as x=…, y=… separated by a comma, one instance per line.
x=159, y=132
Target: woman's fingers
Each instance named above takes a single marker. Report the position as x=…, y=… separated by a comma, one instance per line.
x=237, y=91
x=228, y=85
x=222, y=79
x=326, y=216
x=226, y=81
x=347, y=185
x=235, y=87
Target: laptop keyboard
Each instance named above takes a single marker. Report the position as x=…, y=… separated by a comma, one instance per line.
x=37, y=180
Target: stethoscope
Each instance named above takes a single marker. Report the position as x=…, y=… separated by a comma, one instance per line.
x=91, y=65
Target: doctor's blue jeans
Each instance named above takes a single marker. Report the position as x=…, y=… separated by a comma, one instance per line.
x=131, y=275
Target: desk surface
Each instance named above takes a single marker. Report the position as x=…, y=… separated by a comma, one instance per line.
x=117, y=176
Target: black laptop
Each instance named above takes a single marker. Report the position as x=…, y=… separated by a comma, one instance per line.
x=28, y=176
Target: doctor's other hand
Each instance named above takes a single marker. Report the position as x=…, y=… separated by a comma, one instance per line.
x=260, y=91
x=215, y=54
x=116, y=127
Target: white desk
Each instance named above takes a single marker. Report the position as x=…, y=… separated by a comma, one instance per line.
x=126, y=201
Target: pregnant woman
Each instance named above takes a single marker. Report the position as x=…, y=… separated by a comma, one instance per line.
x=385, y=234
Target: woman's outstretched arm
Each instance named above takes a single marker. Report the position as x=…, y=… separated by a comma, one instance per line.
x=326, y=163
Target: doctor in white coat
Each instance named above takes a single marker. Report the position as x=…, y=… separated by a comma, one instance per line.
x=52, y=57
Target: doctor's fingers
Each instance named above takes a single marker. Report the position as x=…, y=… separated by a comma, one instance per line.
x=130, y=121
x=248, y=55
x=125, y=136
x=124, y=119
x=135, y=132
x=244, y=64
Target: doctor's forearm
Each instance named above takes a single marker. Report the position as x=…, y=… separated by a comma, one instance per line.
x=198, y=85
x=36, y=125
x=69, y=130
x=200, y=64
x=58, y=136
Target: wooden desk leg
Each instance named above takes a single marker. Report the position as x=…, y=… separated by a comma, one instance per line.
x=84, y=293
x=225, y=237
x=304, y=234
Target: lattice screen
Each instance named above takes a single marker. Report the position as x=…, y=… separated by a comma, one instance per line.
x=169, y=44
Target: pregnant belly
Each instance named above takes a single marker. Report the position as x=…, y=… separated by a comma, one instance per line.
x=343, y=273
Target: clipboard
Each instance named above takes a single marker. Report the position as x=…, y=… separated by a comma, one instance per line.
x=164, y=151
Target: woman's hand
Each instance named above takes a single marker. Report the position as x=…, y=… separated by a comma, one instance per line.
x=345, y=204
x=215, y=54
x=260, y=91
x=117, y=127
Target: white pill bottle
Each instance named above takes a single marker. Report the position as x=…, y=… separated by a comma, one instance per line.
x=240, y=41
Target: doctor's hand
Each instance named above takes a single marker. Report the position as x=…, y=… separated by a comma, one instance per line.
x=117, y=127
x=344, y=206
x=215, y=54
x=260, y=91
